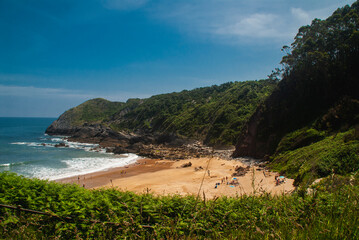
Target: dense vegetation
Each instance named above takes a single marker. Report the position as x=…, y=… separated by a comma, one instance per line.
x=213, y=114
x=331, y=211
x=337, y=153
x=316, y=99
x=94, y=111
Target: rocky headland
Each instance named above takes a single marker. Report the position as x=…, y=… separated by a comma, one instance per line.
x=150, y=145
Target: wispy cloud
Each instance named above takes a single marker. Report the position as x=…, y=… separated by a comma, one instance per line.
x=259, y=25
x=30, y=91
x=239, y=21
x=28, y=101
x=59, y=93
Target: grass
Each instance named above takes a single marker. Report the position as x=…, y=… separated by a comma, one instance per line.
x=330, y=212
x=337, y=153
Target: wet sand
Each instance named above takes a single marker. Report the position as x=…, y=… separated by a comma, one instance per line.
x=104, y=178
x=164, y=177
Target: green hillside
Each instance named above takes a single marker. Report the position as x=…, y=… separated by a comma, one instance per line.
x=337, y=153
x=331, y=212
x=93, y=111
x=213, y=114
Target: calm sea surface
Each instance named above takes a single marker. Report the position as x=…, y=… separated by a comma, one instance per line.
x=26, y=149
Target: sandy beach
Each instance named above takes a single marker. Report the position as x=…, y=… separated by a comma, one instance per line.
x=163, y=177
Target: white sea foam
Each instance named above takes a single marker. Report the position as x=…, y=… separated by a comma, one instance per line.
x=34, y=144
x=78, y=144
x=72, y=166
x=57, y=139
x=88, y=147
x=6, y=165
x=80, y=166
x=20, y=143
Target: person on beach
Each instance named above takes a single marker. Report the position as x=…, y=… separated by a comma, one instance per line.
x=208, y=173
x=277, y=180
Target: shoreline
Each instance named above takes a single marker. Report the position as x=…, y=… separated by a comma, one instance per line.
x=103, y=177
x=168, y=177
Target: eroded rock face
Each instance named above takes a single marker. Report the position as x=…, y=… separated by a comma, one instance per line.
x=248, y=142
x=62, y=126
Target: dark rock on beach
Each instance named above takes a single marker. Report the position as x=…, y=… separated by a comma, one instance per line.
x=61, y=145
x=185, y=165
x=155, y=145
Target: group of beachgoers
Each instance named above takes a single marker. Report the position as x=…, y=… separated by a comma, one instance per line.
x=279, y=180
x=227, y=181
x=234, y=182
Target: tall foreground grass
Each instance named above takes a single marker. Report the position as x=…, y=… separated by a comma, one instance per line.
x=331, y=211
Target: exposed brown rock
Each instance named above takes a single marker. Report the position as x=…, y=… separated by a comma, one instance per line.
x=240, y=171
x=189, y=164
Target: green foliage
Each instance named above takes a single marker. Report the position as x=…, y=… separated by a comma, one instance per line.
x=92, y=111
x=215, y=114
x=298, y=139
x=336, y=153
x=319, y=70
x=342, y=116
x=331, y=212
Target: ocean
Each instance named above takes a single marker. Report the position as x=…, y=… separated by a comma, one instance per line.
x=26, y=150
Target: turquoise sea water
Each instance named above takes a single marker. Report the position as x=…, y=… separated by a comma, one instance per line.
x=27, y=150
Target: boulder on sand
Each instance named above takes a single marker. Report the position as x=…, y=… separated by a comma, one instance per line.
x=186, y=165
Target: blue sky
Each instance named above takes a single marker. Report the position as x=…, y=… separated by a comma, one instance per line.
x=58, y=54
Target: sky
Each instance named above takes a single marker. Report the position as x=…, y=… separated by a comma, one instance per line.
x=55, y=55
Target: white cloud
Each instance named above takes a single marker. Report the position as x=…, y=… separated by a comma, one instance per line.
x=253, y=26
x=237, y=21
x=302, y=16
x=229, y=21
x=124, y=4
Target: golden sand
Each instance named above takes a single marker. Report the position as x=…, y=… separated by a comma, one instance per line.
x=164, y=177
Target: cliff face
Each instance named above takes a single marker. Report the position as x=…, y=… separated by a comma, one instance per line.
x=62, y=126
